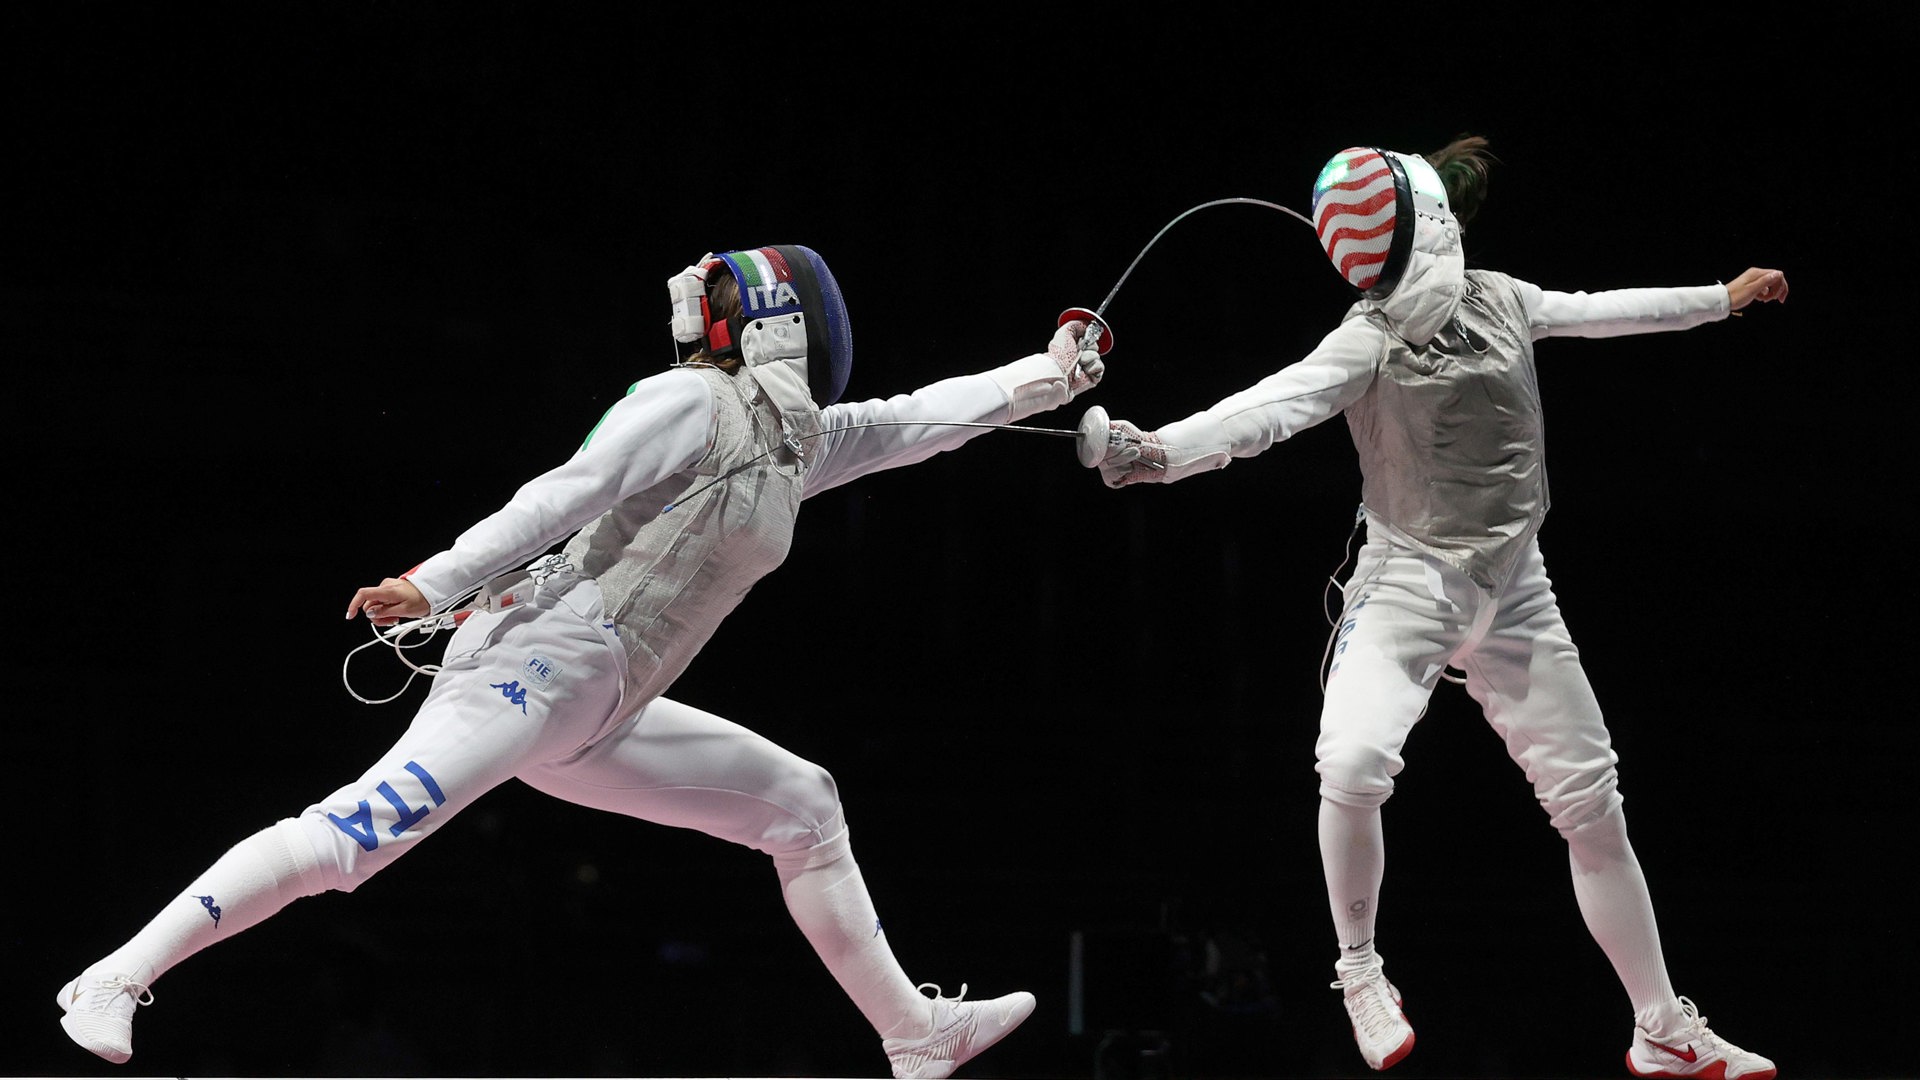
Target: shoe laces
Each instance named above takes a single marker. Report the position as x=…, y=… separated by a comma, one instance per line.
x=1373, y=1010
x=938, y=998
x=1365, y=975
x=114, y=985
x=1696, y=1027
x=939, y=1040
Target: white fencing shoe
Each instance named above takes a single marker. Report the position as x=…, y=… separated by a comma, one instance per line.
x=961, y=1029
x=99, y=1008
x=1695, y=1051
x=1380, y=1029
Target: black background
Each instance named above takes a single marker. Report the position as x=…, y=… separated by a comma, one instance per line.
x=294, y=293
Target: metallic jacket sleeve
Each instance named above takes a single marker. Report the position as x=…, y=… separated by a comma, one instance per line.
x=663, y=425
x=1304, y=393
x=1005, y=394
x=1324, y=382
x=1620, y=311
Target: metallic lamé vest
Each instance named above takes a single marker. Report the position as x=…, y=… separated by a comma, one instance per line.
x=669, y=578
x=1452, y=448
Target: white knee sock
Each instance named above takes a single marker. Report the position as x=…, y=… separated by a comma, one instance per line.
x=829, y=901
x=1613, y=899
x=255, y=878
x=1353, y=852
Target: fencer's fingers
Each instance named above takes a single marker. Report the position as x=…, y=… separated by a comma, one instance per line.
x=375, y=600
x=1756, y=284
x=1134, y=473
x=1775, y=287
x=1126, y=440
x=1766, y=285
x=1063, y=353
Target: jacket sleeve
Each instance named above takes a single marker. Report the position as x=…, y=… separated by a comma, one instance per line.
x=1615, y=312
x=1315, y=387
x=909, y=428
x=664, y=424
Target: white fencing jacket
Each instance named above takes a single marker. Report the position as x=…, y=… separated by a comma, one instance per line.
x=1449, y=432
x=669, y=576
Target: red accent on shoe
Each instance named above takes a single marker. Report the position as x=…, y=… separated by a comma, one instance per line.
x=1399, y=1055
x=1686, y=1055
x=1716, y=1071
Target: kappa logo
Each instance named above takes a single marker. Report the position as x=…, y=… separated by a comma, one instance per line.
x=513, y=692
x=777, y=295
x=213, y=909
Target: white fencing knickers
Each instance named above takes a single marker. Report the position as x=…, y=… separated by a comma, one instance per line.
x=535, y=693
x=1409, y=616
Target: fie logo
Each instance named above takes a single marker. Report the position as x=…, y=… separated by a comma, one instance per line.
x=540, y=671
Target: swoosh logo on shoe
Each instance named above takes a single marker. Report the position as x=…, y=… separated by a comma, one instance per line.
x=75, y=996
x=1684, y=1055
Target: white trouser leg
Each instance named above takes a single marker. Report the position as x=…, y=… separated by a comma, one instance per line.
x=1525, y=672
x=545, y=681
x=677, y=765
x=532, y=684
x=1527, y=676
x=1395, y=636
x=1394, y=639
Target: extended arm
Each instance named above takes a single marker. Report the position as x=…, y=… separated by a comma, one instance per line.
x=908, y=425
x=1328, y=379
x=663, y=425
x=1641, y=311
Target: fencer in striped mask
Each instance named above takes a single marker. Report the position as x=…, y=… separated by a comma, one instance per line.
x=1385, y=222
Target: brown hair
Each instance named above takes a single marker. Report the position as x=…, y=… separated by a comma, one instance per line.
x=723, y=303
x=1462, y=165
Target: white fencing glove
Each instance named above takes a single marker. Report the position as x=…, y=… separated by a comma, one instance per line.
x=1079, y=361
x=1197, y=444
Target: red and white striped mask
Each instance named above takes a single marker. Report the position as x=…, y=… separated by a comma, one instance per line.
x=1372, y=208
x=1361, y=206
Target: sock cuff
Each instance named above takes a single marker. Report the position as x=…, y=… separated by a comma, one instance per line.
x=291, y=855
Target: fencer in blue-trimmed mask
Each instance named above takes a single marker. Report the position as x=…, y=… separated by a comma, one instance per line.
x=778, y=310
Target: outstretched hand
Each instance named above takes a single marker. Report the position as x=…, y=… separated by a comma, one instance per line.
x=1766, y=286
x=389, y=602
x=1133, y=457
